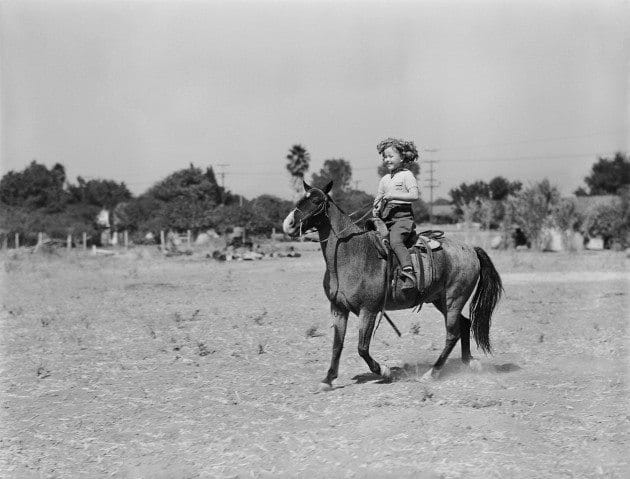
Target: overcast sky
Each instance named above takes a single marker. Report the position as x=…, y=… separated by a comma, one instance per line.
x=132, y=91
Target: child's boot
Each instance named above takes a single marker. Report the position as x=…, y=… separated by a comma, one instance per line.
x=409, y=279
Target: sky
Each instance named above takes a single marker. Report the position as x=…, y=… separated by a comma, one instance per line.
x=134, y=90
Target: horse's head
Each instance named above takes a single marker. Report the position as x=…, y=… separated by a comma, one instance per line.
x=309, y=211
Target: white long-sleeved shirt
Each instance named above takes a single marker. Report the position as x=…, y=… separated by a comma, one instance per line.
x=403, y=181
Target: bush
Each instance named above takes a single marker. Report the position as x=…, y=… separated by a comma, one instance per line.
x=566, y=215
x=532, y=210
x=611, y=222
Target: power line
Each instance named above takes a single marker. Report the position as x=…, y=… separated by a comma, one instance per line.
x=375, y=166
x=520, y=158
x=539, y=140
x=222, y=166
x=431, y=182
x=513, y=158
x=222, y=172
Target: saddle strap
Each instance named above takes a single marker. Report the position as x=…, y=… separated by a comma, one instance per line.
x=420, y=267
x=417, y=266
x=382, y=312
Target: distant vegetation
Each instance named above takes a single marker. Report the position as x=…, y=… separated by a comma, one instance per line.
x=507, y=205
x=41, y=199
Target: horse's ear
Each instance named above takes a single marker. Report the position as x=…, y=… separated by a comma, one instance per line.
x=307, y=187
x=328, y=187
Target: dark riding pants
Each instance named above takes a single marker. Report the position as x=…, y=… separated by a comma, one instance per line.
x=401, y=225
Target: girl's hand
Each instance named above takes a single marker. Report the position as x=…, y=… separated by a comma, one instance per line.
x=387, y=196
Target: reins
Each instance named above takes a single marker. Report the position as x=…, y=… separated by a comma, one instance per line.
x=382, y=311
x=388, y=282
x=324, y=208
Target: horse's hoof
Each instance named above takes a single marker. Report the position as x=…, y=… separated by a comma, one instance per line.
x=324, y=387
x=386, y=372
x=430, y=375
x=475, y=365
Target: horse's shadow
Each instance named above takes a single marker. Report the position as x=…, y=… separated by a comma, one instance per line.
x=413, y=371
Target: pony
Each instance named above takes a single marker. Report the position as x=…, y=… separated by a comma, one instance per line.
x=356, y=277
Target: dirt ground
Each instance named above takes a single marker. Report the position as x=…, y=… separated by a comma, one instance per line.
x=140, y=366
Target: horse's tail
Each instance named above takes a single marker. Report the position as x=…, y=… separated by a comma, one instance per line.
x=489, y=290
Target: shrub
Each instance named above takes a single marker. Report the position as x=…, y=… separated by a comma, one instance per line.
x=610, y=221
x=566, y=215
x=532, y=210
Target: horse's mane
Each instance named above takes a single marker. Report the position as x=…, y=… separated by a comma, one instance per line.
x=331, y=199
x=355, y=230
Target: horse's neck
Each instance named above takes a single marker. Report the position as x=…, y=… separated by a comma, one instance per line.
x=339, y=233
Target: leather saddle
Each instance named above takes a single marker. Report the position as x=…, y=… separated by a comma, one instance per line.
x=422, y=246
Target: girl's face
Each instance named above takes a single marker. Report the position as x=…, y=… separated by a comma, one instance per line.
x=391, y=158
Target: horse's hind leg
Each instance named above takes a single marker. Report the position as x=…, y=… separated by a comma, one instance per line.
x=452, y=335
x=464, y=330
x=467, y=357
x=367, y=320
x=340, y=321
x=456, y=326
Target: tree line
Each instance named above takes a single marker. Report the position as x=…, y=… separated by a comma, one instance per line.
x=42, y=199
x=506, y=205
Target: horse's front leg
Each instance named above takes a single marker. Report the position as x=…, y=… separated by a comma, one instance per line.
x=340, y=322
x=367, y=320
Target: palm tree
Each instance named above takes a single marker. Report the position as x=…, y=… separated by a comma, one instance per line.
x=298, y=161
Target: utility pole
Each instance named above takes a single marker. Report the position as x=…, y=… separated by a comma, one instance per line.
x=222, y=175
x=431, y=182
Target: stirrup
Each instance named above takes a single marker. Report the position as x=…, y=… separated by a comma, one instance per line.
x=410, y=280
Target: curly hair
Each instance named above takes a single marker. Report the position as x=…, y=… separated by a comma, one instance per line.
x=407, y=149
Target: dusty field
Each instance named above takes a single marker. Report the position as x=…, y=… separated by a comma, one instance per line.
x=139, y=366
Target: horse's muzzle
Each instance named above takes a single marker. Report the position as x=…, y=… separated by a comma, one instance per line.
x=290, y=227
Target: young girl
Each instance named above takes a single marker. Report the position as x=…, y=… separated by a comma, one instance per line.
x=396, y=191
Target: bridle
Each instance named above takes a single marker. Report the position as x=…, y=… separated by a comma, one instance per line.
x=323, y=208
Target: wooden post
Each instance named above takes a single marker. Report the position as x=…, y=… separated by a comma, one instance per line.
x=69, y=242
x=244, y=235
x=84, y=241
x=188, y=238
x=162, y=240
x=17, y=240
x=40, y=239
x=126, y=236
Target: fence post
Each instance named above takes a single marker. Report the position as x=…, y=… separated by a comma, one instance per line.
x=84, y=241
x=188, y=238
x=69, y=242
x=40, y=238
x=126, y=236
x=244, y=235
x=17, y=240
x=162, y=240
